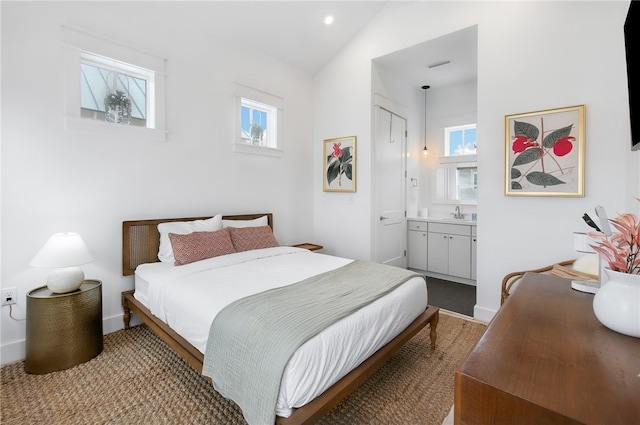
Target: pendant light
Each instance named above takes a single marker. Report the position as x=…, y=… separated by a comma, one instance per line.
x=425, y=151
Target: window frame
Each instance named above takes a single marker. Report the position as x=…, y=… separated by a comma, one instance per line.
x=447, y=184
x=128, y=70
x=271, y=114
x=473, y=186
x=77, y=41
x=447, y=138
x=245, y=95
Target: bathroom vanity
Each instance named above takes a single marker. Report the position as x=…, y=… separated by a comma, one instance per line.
x=443, y=248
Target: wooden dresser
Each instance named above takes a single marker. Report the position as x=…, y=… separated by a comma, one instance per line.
x=545, y=359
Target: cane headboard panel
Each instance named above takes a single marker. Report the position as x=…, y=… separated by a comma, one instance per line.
x=141, y=239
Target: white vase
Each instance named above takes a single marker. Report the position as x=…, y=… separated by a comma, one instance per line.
x=617, y=303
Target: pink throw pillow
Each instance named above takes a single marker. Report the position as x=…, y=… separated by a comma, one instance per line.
x=198, y=246
x=248, y=238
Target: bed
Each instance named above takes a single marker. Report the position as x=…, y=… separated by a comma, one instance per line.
x=279, y=266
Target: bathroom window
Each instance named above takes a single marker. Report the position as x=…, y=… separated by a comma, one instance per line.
x=460, y=140
x=467, y=183
x=457, y=183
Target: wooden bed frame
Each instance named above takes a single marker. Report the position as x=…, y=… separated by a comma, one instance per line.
x=140, y=243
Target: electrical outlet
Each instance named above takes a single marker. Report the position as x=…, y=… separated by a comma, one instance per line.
x=9, y=296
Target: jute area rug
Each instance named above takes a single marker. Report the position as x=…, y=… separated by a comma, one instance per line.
x=138, y=379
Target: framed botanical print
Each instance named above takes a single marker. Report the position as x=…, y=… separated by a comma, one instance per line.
x=544, y=153
x=339, y=168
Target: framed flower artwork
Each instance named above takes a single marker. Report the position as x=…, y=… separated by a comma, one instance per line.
x=339, y=168
x=544, y=153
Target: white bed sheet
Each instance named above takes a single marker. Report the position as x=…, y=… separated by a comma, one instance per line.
x=208, y=286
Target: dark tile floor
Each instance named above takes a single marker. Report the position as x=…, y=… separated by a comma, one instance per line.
x=451, y=296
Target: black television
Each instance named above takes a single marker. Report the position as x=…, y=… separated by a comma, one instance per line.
x=631, y=34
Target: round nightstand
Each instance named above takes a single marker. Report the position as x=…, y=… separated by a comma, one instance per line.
x=63, y=330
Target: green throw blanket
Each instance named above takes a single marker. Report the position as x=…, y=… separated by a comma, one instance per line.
x=251, y=340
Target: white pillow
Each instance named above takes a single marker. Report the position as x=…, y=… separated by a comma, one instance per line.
x=256, y=222
x=165, y=252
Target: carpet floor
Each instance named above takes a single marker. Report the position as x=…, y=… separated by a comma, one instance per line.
x=138, y=379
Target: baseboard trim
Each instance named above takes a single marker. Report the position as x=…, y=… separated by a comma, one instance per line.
x=483, y=314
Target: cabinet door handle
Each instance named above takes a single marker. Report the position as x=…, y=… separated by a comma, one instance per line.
x=383, y=218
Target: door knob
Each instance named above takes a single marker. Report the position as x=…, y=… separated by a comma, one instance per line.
x=384, y=218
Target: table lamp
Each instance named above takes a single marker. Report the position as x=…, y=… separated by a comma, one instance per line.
x=63, y=252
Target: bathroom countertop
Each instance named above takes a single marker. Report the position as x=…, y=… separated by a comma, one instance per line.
x=444, y=220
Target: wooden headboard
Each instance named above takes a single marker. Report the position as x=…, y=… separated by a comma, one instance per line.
x=141, y=239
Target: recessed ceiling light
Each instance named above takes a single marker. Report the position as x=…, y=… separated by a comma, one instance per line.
x=328, y=20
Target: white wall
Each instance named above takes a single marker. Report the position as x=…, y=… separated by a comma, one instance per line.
x=576, y=57
x=57, y=180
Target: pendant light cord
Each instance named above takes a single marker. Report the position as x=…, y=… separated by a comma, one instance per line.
x=425, y=88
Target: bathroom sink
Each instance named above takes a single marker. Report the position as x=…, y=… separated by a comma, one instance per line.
x=453, y=220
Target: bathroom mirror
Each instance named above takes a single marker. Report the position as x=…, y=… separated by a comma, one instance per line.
x=457, y=183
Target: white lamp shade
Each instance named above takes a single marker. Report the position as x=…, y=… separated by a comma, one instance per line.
x=62, y=250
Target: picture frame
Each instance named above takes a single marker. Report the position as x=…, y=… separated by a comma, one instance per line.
x=545, y=153
x=339, y=164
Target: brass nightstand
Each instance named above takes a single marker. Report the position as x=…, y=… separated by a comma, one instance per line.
x=63, y=330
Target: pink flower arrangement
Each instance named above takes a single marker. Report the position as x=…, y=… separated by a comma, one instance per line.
x=621, y=250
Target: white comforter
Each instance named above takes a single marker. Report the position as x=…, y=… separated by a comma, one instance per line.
x=189, y=297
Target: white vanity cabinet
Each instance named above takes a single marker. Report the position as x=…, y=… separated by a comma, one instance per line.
x=417, y=245
x=449, y=249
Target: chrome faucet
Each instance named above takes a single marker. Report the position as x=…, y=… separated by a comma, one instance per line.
x=457, y=214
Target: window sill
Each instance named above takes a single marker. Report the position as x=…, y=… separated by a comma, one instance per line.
x=458, y=158
x=119, y=130
x=257, y=150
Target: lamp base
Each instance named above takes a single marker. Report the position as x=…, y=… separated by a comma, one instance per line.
x=590, y=286
x=65, y=279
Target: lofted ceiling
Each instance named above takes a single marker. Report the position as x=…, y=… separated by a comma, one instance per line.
x=460, y=48
x=293, y=32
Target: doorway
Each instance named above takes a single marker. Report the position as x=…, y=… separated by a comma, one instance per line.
x=448, y=62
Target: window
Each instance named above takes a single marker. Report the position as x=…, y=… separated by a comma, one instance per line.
x=115, y=91
x=258, y=122
x=467, y=183
x=460, y=140
x=112, y=89
x=457, y=183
